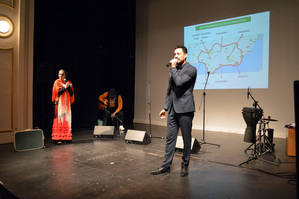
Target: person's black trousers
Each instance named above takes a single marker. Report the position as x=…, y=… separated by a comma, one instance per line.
x=107, y=120
x=176, y=121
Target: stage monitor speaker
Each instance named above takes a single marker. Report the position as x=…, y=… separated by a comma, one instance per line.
x=195, y=146
x=103, y=131
x=28, y=139
x=137, y=136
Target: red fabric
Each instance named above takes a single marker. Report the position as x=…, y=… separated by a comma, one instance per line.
x=62, y=129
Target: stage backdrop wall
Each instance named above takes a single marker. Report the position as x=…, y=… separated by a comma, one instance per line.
x=16, y=69
x=160, y=27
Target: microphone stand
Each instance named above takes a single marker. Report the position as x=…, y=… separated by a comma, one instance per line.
x=255, y=103
x=254, y=155
x=204, y=115
x=150, y=117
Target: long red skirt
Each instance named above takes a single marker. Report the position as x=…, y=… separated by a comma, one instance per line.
x=61, y=130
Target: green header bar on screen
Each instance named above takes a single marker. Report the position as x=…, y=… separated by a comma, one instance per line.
x=223, y=23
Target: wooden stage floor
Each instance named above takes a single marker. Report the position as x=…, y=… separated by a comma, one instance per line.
x=111, y=168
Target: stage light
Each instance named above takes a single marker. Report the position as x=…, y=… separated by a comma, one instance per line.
x=6, y=27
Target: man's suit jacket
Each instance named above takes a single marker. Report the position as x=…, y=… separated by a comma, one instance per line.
x=180, y=89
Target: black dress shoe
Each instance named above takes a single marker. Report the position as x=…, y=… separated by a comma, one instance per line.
x=161, y=170
x=184, y=171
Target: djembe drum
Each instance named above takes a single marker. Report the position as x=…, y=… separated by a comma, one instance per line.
x=251, y=116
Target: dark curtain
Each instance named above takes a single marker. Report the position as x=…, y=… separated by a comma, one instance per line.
x=95, y=42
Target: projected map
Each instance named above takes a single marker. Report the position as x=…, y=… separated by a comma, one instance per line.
x=234, y=51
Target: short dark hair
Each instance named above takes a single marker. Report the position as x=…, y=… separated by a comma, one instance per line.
x=183, y=48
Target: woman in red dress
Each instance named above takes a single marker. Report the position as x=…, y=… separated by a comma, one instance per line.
x=62, y=97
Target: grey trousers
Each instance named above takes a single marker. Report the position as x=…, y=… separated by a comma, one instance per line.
x=176, y=121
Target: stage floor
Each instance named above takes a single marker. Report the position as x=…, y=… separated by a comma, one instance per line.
x=111, y=168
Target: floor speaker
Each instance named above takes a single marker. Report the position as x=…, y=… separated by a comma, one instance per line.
x=137, y=137
x=28, y=139
x=103, y=131
x=195, y=146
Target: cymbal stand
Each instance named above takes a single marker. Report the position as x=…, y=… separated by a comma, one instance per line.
x=267, y=146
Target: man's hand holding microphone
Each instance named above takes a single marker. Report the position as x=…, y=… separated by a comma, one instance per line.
x=172, y=63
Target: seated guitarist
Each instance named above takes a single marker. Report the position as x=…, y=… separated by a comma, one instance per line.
x=112, y=104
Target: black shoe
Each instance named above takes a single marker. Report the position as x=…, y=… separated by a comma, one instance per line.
x=184, y=171
x=161, y=170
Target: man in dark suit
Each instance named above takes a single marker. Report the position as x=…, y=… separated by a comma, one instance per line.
x=180, y=106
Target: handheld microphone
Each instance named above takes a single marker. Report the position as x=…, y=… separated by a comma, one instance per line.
x=65, y=80
x=169, y=64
